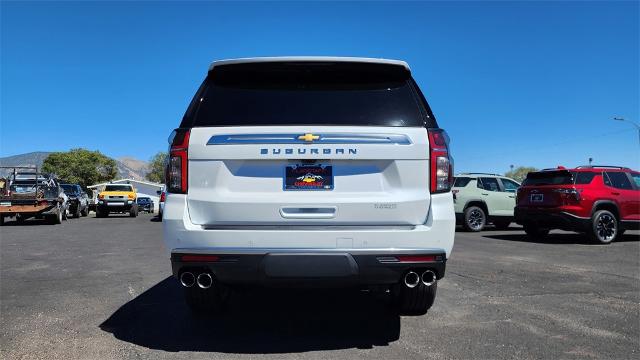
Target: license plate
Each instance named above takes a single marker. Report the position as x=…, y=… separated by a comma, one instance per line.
x=5, y=203
x=308, y=177
x=537, y=198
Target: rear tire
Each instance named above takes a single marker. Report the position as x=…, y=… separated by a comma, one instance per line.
x=133, y=212
x=474, y=219
x=415, y=301
x=85, y=211
x=205, y=301
x=502, y=224
x=604, y=227
x=536, y=232
x=76, y=214
x=56, y=219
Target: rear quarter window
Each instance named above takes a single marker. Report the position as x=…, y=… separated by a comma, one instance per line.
x=322, y=93
x=583, y=178
x=461, y=181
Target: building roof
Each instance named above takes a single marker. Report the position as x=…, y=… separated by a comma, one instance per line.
x=309, y=59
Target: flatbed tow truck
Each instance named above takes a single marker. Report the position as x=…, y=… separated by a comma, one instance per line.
x=30, y=193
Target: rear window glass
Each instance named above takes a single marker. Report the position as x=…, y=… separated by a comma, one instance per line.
x=321, y=93
x=461, y=181
x=117, y=188
x=548, y=178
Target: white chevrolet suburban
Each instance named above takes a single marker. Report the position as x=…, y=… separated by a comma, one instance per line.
x=309, y=171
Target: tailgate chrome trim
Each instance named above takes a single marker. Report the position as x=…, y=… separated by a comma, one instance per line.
x=330, y=138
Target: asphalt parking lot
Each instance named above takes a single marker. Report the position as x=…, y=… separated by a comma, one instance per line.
x=101, y=289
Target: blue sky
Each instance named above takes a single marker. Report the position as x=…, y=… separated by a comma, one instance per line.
x=522, y=83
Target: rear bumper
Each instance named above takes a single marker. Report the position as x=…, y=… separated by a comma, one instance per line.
x=551, y=218
x=332, y=255
x=306, y=267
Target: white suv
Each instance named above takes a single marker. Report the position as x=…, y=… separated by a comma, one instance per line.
x=309, y=171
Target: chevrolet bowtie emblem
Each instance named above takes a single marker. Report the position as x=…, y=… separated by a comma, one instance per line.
x=308, y=137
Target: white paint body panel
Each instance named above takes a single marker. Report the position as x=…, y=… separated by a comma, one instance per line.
x=436, y=233
x=235, y=197
x=382, y=184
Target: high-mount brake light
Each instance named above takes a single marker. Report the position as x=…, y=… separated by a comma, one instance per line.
x=441, y=168
x=177, y=168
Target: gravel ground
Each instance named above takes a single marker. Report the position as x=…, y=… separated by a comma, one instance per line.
x=101, y=289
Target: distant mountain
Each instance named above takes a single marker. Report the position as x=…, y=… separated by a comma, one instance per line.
x=128, y=168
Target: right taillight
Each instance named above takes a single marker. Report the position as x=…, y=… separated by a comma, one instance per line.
x=162, y=197
x=177, y=167
x=441, y=168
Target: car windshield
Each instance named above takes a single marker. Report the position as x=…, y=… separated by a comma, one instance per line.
x=118, y=188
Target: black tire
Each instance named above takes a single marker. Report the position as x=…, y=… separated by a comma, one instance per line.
x=205, y=301
x=604, y=227
x=64, y=214
x=56, y=218
x=134, y=211
x=85, y=211
x=502, y=224
x=101, y=213
x=76, y=214
x=415, y=301
x=20, y=219
x=474, y=219
x=1, y=220
x=536, y=232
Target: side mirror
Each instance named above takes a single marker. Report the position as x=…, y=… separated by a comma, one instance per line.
x=159, y=192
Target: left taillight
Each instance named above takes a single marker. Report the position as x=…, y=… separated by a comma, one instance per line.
x=441, y=161
x=177, y=167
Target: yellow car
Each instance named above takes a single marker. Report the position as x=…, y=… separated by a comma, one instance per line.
x=117, y=198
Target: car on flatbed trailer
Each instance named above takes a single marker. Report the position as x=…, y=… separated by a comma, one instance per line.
x=30, y=193
x=309, y=171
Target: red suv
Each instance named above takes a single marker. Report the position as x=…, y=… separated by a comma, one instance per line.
x=602, y=201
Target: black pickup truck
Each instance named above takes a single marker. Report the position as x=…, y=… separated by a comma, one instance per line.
x=30, y=193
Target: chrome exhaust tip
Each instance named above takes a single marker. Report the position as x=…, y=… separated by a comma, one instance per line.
x=205, y=281
x=428, y=278
x=187, y=279
x=411, y=279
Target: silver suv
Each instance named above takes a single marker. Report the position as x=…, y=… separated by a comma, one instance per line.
x=482, y=198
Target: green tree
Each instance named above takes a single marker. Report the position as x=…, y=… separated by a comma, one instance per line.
x=156, y=167
x=518, y=174
x=81, y=166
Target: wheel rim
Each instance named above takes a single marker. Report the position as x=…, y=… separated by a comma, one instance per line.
x=606, y=227
x=476, y=219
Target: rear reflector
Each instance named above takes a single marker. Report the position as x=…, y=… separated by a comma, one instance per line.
x=199, y=258
x=417, y=258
